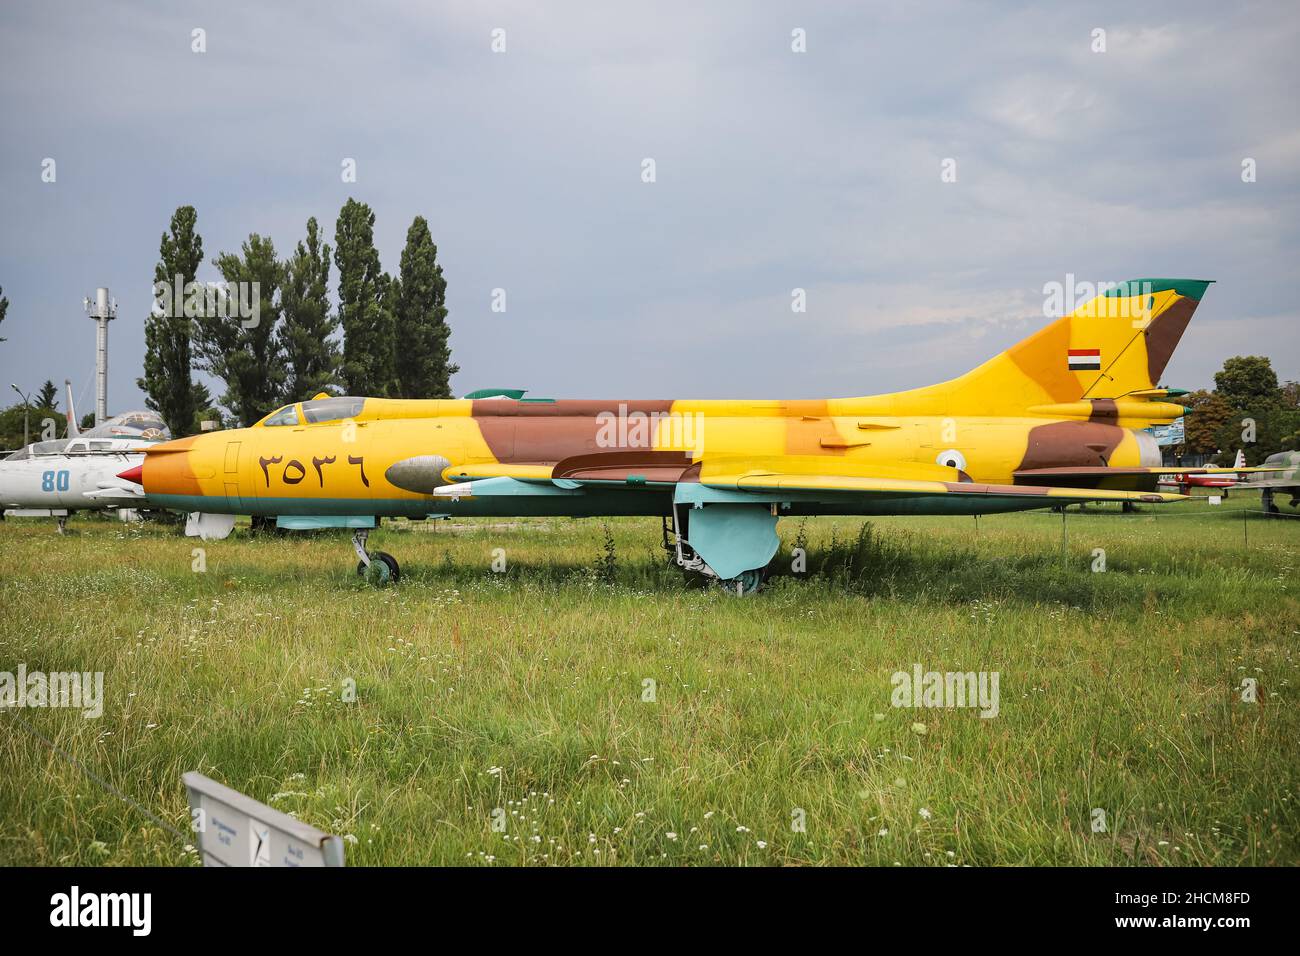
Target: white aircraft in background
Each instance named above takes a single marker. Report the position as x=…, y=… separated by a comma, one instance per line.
x=58, y=477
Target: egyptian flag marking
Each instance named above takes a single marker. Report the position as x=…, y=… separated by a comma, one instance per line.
x=1084, y=360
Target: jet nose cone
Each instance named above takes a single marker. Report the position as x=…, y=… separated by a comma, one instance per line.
x=135, y=474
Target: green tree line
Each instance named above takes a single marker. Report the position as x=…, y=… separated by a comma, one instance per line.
x=394, y=332
x=1246, y=409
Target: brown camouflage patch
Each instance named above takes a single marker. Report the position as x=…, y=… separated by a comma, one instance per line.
x=1065, y=444
x=620, y=465
x=1163, y=334
x=546, y=432
x=1104, y=410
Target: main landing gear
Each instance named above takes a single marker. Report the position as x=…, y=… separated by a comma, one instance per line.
x=726, y=544
x=377, y=567
x=745, y=583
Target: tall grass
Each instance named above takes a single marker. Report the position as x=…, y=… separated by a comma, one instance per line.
x=610, y=711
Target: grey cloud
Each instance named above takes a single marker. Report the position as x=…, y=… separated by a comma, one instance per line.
x=776, y=171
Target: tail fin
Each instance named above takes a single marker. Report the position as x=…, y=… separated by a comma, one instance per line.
x=1115, y=345
x=1240, y=460
x=74, y=430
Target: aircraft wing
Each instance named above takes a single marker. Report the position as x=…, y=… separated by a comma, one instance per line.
x=648, y=469
x=858, y=486
x=630, y=468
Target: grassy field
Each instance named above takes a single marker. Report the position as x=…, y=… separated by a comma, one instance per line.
x=770, y=738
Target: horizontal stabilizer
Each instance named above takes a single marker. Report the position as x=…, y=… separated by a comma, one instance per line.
x=1101, y=471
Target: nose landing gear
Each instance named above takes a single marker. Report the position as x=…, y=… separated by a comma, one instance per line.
x=377, y=567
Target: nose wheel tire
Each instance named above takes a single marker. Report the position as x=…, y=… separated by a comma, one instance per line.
x=382, y=570
x=377, y=567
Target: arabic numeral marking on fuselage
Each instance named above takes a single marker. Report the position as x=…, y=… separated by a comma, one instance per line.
x=294, y=471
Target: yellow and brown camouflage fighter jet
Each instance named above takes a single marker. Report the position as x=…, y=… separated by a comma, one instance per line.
x=1056, y=419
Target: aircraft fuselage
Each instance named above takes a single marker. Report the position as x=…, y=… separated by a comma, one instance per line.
x=353, y=466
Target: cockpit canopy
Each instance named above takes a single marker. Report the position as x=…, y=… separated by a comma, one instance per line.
x=53, y=447
x=332, y=409
x=317, y=411
x=83, y=445
x=141, y=424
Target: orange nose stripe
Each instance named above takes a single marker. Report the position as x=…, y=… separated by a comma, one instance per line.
x=169, y=471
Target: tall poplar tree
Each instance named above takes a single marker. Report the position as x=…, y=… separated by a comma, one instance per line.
x=364, y=304
x=423, y=357
x=169, y=389
x=311, y=356
x=242, y=350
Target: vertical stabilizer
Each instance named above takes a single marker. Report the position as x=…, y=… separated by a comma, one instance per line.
x=73, y=430
x=1113, y=346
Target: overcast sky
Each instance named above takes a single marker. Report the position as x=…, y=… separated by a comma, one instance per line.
x=775, y=170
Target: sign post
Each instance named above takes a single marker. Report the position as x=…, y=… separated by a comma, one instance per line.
x=235, y=830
